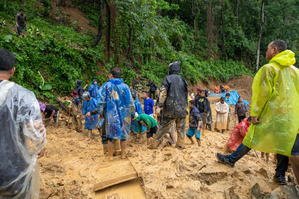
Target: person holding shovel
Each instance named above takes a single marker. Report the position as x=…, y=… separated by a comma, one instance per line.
x=49, y=112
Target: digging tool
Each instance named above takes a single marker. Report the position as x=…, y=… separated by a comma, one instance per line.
x=60, y=104
x=256, y=154
x=69, y=120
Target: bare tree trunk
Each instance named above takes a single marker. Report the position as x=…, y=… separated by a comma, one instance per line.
x=194, y=9
x=260, y=35
x=115, y=39
x=237, y=11
x=223, y=29
x=100, y=29
x=149, y=55
x=210, y=29
x=108, y=33
x=130, y=40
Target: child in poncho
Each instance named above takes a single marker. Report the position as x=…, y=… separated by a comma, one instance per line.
x=238, y=133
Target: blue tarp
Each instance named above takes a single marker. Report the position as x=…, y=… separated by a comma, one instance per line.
x=234, y=96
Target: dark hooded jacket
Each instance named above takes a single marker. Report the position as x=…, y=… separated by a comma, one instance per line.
x=79, y=89
x=202, y=104
x=153, y=86
x=175, y=105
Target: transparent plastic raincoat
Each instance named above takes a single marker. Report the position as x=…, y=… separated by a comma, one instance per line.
x=20, y=120
x=116, y=103
x=92, y=121
x=275, y=100
x=93, y=89
x=134, y=123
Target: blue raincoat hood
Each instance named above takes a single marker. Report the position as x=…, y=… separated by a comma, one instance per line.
x=94, y=81
x=116, y=81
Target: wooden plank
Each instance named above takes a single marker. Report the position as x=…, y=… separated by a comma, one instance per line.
x=115, y=181
x=115, y=173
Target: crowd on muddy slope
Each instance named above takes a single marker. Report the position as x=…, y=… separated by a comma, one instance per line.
x=114, y=109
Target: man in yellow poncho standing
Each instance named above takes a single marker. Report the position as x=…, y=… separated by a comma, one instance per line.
x=274, y=109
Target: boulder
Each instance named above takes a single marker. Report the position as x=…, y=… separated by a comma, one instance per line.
x=284, y=192
x=258, y=192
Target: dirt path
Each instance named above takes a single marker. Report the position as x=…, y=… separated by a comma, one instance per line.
x=73, y=14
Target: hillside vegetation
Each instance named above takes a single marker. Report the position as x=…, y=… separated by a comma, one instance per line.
x=211, y=38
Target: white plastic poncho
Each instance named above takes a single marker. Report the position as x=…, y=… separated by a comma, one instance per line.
x=222, y=116
x=20, y=120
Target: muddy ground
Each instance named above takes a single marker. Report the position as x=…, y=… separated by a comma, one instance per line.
x=73, y=164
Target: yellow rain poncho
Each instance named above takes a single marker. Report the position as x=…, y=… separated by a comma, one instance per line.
x=188, y=109
x=275, y=100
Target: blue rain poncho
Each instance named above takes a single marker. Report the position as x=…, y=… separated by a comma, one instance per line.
x=116, y=104
x=20, y=122
x=93, y=89
x=134, y=123
x=92, y=121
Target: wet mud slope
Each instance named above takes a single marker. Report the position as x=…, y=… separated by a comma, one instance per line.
x=72, y=166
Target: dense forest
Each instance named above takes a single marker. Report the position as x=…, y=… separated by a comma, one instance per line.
x=213, y=38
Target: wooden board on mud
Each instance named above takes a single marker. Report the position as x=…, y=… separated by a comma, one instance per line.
x=114, y=173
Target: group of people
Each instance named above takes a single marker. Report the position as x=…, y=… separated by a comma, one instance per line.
x=272, y=127
x=221, y=88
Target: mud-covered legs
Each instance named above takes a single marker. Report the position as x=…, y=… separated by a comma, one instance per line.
x=164, y=128
x=123, y=149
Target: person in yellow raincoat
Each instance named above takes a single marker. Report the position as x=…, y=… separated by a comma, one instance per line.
x=274, y=108
x=188, y=109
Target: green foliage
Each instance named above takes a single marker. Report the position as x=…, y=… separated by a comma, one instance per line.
x=51, y=57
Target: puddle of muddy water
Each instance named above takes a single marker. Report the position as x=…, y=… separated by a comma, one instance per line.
x=129, y=190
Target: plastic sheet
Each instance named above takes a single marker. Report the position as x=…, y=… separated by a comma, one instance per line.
x=92, y=121
x=20, y=120
x=116, y=102
x=275, y=101
x=234, y=97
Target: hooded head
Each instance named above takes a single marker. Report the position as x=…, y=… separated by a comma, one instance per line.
x=95, y=81
x=136, y=115
x=277, y=52
x=42, y=106
x=285, y=58
x=78, y=82
x=75, y=93
x=86, y=96
x=174, y=68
